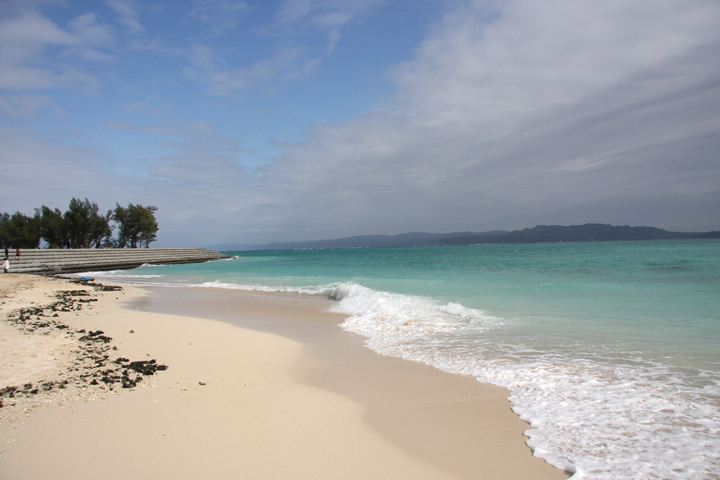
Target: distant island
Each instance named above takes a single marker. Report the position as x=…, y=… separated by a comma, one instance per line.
x=590, y=232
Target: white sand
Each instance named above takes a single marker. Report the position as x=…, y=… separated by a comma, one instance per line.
x=237, y=403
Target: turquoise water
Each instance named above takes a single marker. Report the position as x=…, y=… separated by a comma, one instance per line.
x=610, y=350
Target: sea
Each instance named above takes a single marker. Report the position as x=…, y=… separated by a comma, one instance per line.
x=610, y=350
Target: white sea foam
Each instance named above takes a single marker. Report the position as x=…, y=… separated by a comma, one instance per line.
x=382, y=315
x=114, y=275
x=318, y=290
x=592, y=416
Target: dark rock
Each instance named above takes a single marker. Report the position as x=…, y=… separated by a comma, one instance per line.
x=148, y=367
x=96, y=336
x=92, y=367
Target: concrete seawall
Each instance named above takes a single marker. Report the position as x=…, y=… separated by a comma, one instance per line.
x=53, y=261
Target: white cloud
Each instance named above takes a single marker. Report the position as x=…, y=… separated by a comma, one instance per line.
x=91, y=38
x=292, y=18
x=35, y=53
x=208, y=68
x=88, y=31
x=22, y=40
x=36, y=170
x=497, y=66
x=549, y=112
x=328, y=16
x=31, y=29
x=333, y=38
x=27, y=105
x=322, y=13
x=220, y=15
x=510, y=114
x=127, y=14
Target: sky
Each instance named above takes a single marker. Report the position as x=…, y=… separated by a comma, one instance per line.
x=285, y=120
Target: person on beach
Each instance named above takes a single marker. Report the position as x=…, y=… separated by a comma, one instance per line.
x=7, y=252
x=17, y=252
x=6, y=265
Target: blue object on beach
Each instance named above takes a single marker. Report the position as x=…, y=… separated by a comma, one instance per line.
x=84, y=279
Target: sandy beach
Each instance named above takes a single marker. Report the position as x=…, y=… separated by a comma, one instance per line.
x=256, y=386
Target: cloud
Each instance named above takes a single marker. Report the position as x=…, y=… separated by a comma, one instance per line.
x=12, y=7
x=36, y=169
x=22, y=40
x=127, y=14
x=208, y=68
x=27, y=105
x=220, y=15
x=35, y=53
x=327, y=16
x=31, y=30
x=509, y=114
x=291, y=20
x=498, y=65
x=333, y=38
x=91, y=37
x=524, y=113
x=196, y=187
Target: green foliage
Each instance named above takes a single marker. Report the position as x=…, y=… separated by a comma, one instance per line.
x=81, y=226
x=19, y=231
x=52, y=227
x=122, y=217
x=137, y=225
x=85, y=226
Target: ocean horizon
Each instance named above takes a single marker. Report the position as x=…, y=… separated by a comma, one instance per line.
x=610, y=350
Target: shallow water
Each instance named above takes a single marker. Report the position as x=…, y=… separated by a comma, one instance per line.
x=610, y=349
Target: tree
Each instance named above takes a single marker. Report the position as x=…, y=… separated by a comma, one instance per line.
x=5, y=240
x=84, y=226
x=136, y=225
x=101, y=230
x=19, y=231
x=52, y=228
x=122, y=217
x=81, y=226
x=148, y=226
x=4, y=235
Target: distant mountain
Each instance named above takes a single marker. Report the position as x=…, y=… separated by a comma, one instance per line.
x=590, y=232
x=412, y=239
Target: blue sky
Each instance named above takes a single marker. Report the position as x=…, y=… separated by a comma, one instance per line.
x=256, y=121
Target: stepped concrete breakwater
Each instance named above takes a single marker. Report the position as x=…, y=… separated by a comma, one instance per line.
x=54, y=261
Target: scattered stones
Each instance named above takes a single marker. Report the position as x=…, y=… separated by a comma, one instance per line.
x=98, y=286
x=97, y=336
x=92, y=367
x=146, y=367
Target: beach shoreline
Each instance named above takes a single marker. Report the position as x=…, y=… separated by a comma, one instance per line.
x=258, y=385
